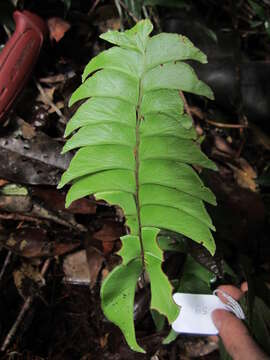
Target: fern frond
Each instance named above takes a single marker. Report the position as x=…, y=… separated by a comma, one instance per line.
x=136, y=149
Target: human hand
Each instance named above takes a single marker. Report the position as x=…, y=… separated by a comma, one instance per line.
x=233, y=332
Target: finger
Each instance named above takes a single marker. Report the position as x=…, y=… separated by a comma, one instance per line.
x=244, y=287
x=235, y=337
x=231, y=290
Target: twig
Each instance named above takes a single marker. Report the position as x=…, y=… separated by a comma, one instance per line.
x=5, y=265
x=90, y=12
x=145, y=12
x=49, y=102
x=154, y=15
x=229, y=126
x=133, y=17
x=195, y=111
x=20, y=217
x=26, y=306
x=118, y=7
x=42, y=212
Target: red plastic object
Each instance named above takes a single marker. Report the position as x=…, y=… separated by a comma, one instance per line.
x=19, y=56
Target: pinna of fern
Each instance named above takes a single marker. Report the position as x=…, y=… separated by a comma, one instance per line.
x=136, y=147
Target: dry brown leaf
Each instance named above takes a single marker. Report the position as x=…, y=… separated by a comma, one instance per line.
x=245, y=175
x=28, y=131
x=76, y=269
x=107, y=18
x=35, y=243
x=107, y=246
x=57, y=28
x=28, y=280
x=55, y=200
x=49, y=93
x=110, y=231
x=95, y=260
x=223, y=146
x=3, y=182
x=104, y=341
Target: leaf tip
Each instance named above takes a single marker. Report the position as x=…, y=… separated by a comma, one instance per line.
x=64, y=150
x=211, y=95
x=68, y=203
x=67, y=132
x=60, y=186
x=71, y=100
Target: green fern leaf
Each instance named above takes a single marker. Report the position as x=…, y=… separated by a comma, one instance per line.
x=136, y=149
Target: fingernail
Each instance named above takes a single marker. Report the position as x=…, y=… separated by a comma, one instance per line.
x=216, y=318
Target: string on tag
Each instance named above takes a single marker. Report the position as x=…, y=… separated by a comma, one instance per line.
x=231, y=304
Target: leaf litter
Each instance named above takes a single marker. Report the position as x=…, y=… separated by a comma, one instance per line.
x=35, y=227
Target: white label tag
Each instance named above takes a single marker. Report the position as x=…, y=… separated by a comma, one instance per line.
x=195, y=313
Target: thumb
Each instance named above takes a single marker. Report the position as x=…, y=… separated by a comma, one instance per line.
x=235, y=337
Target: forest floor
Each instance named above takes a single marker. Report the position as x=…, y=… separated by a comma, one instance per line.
x=52, y=259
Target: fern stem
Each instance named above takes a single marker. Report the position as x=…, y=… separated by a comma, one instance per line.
x=137, y=165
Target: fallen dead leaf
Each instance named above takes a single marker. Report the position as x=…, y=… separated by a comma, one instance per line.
x=76, y=269
x=3, y=182
x=107, y=18
x=55, y=200
x=57, y=28
x=95, y=260
x=110, y=231
x=103, y=341
x=28, y=279
x=49, y=93
x=223, y=146
x=28, y=131
x=31, y=242
x=107, y=246
x=245, y=175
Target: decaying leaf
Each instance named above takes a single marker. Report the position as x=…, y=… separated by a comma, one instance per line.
x=76, y=269
x=17, y=204
x=56, y=200
x=110, y=231
x=28, y=280
x=35, y=242
x=35, y=160
x=57, y=28
x=245, y=175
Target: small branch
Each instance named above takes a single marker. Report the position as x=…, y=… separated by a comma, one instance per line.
x=13, y=330
x=90, y=12
x=199, y=114
x=133, y=17
x=118, y=7
x=154, y=15
x=19, y=217
x=229, y=126
x=145, y=12
x=26, y=306
x=5, y=265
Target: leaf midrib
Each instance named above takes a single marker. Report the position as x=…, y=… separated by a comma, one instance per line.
x=137, y=163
